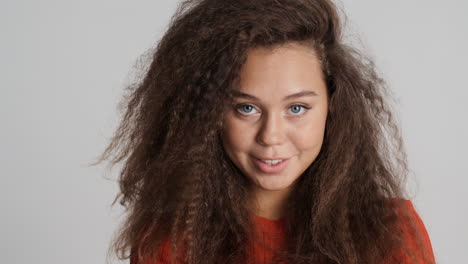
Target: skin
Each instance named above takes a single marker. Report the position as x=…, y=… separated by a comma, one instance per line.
x=272, y=126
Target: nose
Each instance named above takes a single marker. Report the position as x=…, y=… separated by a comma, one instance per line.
x=271, y=131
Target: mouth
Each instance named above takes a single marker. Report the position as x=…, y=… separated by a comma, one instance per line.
x=271, y=166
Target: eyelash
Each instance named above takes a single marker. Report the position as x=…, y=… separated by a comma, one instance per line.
x=306, y=108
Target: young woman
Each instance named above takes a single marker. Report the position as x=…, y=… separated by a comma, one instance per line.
x=258, y=136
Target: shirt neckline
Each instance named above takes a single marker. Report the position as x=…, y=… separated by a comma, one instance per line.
x=270, y=224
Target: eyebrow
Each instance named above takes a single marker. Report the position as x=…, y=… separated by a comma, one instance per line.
x=289, y=97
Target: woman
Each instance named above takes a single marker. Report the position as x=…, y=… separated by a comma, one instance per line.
x=258, y=136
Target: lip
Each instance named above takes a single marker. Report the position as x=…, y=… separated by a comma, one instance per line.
x=271, y=158
x=270, y=169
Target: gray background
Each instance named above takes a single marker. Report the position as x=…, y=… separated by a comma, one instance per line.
x=64, y=65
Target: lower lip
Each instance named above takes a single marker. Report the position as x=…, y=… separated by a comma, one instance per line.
x=266, y=168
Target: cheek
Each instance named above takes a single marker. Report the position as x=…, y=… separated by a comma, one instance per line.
x=309, y=135
x=236, y=136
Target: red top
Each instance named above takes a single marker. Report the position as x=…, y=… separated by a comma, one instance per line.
x=272, y=233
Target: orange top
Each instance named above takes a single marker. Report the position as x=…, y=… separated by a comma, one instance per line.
x=272, y=234
x=409, y=236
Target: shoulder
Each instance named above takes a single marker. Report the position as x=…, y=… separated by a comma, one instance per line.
x=408, y=216
x=414, y=233
x=163, y=255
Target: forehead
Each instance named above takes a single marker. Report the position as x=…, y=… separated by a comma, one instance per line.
x=282, y=70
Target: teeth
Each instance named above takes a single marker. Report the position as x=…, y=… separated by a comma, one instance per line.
x=272, y=162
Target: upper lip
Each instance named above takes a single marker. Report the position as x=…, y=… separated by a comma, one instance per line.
x=271, y=158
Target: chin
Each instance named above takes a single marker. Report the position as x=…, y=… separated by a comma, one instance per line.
x=271, y=185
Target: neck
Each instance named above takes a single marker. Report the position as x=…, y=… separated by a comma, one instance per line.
x=270, y=204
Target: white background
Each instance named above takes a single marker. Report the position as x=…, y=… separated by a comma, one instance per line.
x=64, y=65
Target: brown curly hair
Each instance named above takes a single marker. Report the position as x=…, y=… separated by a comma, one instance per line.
x=177, y=182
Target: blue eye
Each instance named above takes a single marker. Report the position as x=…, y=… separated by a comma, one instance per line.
x=245, y=108
x=296, y=109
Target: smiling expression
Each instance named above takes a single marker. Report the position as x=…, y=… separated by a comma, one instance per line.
x=279, y=112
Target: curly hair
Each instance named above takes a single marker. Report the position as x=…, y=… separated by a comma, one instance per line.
x=177, y=181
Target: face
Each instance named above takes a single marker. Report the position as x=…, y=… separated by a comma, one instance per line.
x=278, y=113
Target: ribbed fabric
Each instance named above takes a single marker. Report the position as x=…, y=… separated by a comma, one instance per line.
x=426, y=246
x=270, y=234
